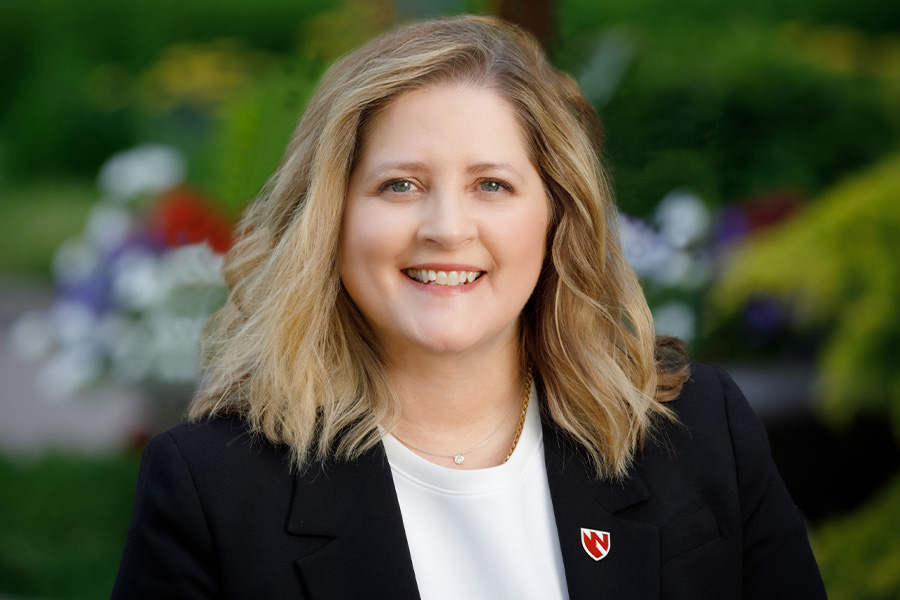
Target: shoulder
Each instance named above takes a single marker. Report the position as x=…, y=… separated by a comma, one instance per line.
x=699, y=448
x=218, y=438
x=210, y=510
x=707, y=387
x=238, y=482
x=215, y=434
x=715, y=451
x=711, y=407
x=218, y=457
x=718, y=454
x=715, y=437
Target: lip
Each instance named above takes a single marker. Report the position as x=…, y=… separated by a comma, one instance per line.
x=444, y=289
x=445, y=267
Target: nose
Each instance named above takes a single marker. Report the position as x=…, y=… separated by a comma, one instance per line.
x=448, y=220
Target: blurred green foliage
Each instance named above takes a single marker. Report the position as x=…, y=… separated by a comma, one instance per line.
x=224, y=83
x=255, y=124
x=720, y=98
x=36, y=217
x=859, y=554
x=838, y=265
x=726, y=100
x=62, y=524
x=732, y=107
x=75, y=75
x=255, y=129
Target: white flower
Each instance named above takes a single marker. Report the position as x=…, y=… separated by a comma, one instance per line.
x=682, y=218
x=194, y=265
x=76, y=325
x=136, y=280
x=110, y=326
x=67, y=372
x=108, y=225
x=177, y=346
x=676, y=271
x=644, y=250
x=148, y=169
x=133, y=353
x=675, y=318
x=193, y=281
x=174, y=294
x=76, y=260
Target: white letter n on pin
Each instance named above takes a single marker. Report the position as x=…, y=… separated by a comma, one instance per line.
x=595, y=543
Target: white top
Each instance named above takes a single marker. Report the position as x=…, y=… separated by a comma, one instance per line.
x=484, y=533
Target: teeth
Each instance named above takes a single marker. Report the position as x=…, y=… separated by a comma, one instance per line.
x=443, y=277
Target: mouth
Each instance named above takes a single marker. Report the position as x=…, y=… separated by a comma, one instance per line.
x=449, y=278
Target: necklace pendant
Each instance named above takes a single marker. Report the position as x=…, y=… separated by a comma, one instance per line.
x=458, y=459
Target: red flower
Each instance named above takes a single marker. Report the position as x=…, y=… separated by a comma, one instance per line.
x=769, y=209
x=185, y=217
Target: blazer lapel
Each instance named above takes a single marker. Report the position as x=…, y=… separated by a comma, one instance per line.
x=630, y=568
x=349, y=525
x=352, y=531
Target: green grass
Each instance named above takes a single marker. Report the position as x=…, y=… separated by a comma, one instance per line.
x=63, y=521
x=36, y=218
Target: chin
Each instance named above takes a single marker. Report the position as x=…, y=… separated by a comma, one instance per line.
x=460, y=341
x=432, y=340
x=447, y=346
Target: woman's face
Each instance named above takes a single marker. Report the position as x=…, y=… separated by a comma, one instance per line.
x=443, y=233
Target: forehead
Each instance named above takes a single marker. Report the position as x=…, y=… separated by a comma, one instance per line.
x=452, y=116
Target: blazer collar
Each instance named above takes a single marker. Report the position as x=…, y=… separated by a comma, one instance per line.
x=353, y=536
x=631, y=565
x=354, y=544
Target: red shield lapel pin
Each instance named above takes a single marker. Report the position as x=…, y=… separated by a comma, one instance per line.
x=595, y=543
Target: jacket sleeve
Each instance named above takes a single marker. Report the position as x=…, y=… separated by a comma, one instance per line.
x=168, y=552
x=778, y=561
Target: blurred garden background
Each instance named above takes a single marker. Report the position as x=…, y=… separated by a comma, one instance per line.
x=755, y=150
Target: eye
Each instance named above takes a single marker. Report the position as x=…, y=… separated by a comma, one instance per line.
x=398, y=186
x=493, y=186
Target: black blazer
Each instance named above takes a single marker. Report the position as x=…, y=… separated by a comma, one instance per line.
x=704, y=514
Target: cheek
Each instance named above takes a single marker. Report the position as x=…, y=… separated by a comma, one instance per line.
x=359, y=239
x=528, y=240
x=353, y=263
x=371, y=244
x=351, y=250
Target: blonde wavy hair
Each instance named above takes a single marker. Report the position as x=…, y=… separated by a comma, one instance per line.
x=291, y=354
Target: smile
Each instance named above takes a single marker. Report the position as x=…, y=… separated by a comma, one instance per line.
x=428, y=276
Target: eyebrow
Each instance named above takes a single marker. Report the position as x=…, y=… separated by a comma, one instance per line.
x=420, y=166
x=490, y=166
x=397, y=166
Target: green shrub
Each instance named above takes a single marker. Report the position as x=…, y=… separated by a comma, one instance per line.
x=837, y=265
x=733, y=108
x=859, y=554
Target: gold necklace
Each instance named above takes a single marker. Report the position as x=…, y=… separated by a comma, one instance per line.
x=460, y=457
x=521, y=418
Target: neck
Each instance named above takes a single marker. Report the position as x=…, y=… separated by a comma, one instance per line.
x=451, y=403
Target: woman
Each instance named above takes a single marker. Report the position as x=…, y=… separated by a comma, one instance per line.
x=436, y=375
